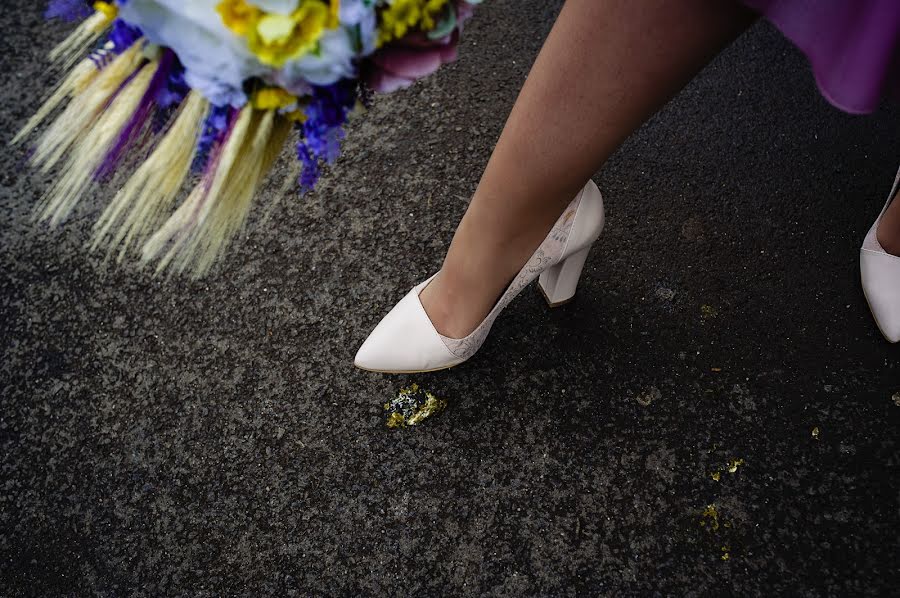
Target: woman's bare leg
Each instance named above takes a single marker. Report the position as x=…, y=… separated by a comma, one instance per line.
x=888, y=232
x=606, y=67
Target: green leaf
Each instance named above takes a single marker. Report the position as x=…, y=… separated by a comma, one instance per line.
x=446, y=25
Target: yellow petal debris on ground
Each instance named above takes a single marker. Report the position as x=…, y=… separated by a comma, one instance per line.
x=648, y=396
x=717, y=532
x=412, y=406
x=896, y=399
x=734, y=464
x=730, y=467
x=708, y=311
x=710, y=518
x=815, y=433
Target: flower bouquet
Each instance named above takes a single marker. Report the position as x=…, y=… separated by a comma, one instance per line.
x=186, y=104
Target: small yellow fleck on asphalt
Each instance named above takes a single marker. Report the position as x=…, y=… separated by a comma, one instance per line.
x=815, y=433
x=710, y=518
x=716, y=475
x=648, y=396
x=734, y=464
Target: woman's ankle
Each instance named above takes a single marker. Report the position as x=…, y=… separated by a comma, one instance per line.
x=474, y=275
x=889, y=240
x=888, y=232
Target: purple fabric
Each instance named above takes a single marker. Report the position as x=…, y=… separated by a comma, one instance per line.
x=852, y=45
x=130, y=133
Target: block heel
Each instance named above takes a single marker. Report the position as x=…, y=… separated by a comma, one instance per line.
x=558, y=284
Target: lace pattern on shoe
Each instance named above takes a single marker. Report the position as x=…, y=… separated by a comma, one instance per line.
x=548, y=254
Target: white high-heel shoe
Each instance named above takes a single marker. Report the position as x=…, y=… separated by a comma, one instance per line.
x=880, y=273
x=406, y=342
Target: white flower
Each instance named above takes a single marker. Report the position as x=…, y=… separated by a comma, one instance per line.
x=360, y=13
x=215, y=60
x=333, y=61
x=352, y=12
x=282, y=7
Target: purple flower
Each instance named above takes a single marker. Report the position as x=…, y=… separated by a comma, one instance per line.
x=170, y=95
x=309, y=176
x=214, y=128
x=401, y=63
x=326, y=114
x=68, y=10
x=123, y=35
x=175, y=89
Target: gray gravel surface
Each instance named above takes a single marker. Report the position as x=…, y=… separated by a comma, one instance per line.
x=165, y=438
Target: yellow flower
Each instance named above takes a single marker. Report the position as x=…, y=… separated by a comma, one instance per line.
x=275, y=39
x=404, y=15
x=297, y=116
x=272, y=98
x=238, y=16
x=432, y=8
x=334, y=18
x=398, y=18
x=110, y=11
x=275, y=98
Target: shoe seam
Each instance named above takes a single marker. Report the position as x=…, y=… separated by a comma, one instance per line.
x=431, y=323
x=574, y=223
x=881, y=252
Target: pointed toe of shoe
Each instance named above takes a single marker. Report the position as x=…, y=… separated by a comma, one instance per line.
x=405, y=341
x=892, y=335
x=371, y=354
x=888, y=322
x=881, y=284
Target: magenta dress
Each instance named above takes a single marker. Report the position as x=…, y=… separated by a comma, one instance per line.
x=852, y=45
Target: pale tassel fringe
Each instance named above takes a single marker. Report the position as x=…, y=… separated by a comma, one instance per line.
x=229, y=215
x=137, y=208
x=80, y=40
x=174, y=230
x=178, y=228
x=77, y=175
x=209, y=219
x=74, y=83
x=295, y=169
x=80, y=116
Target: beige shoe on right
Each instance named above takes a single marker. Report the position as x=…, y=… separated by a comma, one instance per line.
x=880, y=273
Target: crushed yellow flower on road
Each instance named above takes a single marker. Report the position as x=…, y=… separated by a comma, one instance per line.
x=730, y=467
x=710, y=518
x=412, y=406
x=734, y=464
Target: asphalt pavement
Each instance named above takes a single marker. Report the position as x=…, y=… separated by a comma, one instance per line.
x=714, y=414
